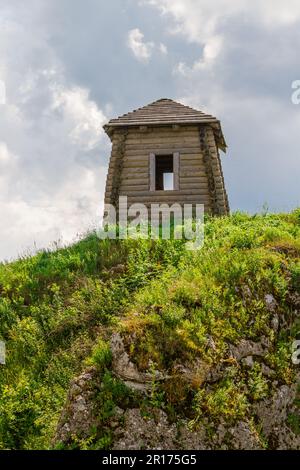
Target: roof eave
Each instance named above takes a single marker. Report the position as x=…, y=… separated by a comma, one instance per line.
x=111, y=124
x=221, y=142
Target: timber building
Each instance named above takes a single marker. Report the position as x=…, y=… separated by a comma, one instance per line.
x=167, y=153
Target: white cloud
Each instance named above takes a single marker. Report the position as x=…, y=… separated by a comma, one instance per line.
x=52, y=176
x=163, y=49
x=211, y=51
x=57, y=195
x=199, y=18
x=81, y=115
x=6, y=158
x=202, y=21
x=141, y=50
x=75, y=208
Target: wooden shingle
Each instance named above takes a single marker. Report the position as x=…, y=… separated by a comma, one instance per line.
x=166, y=112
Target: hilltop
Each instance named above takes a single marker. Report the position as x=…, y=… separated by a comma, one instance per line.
x=143, y=344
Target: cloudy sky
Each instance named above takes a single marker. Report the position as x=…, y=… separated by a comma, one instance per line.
x=68, y=66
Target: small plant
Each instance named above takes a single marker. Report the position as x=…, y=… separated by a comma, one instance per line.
x=226, y=401
x=295, y=272
x=257, y=384
x=156, y=394
x=294, y=423
x=101, y=356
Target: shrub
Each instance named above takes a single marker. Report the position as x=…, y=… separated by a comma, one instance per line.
x=295, y=272
x=226, y=401
x=101, y=356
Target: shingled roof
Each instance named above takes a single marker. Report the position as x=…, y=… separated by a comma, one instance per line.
x=167, y=112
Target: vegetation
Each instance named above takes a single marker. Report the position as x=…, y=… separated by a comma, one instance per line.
x=172, y=306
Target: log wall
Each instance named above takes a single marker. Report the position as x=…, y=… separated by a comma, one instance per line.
x=199, y=167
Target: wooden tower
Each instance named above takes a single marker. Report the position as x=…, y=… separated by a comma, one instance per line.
x=167, y=153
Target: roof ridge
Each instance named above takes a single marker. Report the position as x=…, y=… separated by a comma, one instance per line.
x=152, y=104
x=164, y=112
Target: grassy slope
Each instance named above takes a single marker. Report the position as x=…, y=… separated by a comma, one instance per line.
x=54, y=307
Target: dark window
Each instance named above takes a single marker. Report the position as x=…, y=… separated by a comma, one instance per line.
x=164, y=172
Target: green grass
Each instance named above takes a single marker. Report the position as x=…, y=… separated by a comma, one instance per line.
x=58, y=310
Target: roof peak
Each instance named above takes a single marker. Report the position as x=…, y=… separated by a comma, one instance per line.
x=169, y=100
x=163, y=112
x=172, y=109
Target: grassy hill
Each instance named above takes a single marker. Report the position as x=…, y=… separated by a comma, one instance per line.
x=173, y=309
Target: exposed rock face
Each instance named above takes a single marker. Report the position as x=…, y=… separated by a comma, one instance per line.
x=125, y=369
x=242, y=437
x=294, y=299
x=156, y=433
x=273, y=413
x=131, y=429
x=267, y=371
x=238, y=437
x=78, y=414
x=248, y=361
x=197, y=372
x=271, y=303
x=248, y=348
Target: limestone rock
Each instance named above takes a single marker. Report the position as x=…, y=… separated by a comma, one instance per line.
x=243, y=438
x=124, y=368
x=78, y=417
x=248, y=361
x=154, y=432
x=271, y=303
x=216, y=373
x=248, y=348
x=275, y=323
x=210, y=343
x=193, y=373
x=273, y=413
x=267, y=371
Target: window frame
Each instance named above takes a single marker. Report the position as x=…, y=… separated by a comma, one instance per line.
x=152, y=170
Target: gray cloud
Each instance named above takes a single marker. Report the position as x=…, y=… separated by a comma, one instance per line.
x=67, y=68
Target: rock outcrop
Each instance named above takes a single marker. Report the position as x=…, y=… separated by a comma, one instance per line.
x=272, y=415
x=132, y=429
x=79, y=415
x=156, y=432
